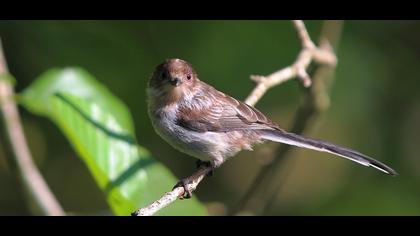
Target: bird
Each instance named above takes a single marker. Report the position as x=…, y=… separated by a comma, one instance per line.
x=203, y=122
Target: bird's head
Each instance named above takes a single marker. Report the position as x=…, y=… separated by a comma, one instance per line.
x=171, y=80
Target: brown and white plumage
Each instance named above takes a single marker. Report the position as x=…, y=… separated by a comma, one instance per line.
x=205, y=123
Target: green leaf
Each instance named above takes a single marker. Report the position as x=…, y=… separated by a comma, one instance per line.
x=100, y=128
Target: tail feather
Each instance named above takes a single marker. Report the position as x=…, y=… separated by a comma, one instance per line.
x=318, y=145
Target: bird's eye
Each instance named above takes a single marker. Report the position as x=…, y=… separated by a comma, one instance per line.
x=188, y=77
x=163, y=75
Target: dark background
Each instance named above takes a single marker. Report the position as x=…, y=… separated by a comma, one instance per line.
x=375, y=108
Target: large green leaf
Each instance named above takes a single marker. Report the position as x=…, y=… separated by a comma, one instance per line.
x=100, y=128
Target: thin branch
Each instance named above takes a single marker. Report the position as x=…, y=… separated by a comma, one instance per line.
x=30, y=176
x=309, y=52
x=176, y=193
x=303, y=35
x=315, y=100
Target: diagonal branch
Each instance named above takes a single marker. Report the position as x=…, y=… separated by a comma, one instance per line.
x=30, y=176
x=309, y=52
x=176, y=193
x=315, y=99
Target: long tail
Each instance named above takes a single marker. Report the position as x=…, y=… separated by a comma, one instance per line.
x=318, y=145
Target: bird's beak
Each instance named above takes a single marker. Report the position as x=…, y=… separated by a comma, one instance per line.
x=175, y=81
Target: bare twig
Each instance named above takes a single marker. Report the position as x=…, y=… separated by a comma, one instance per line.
x=176, y=193
x=308, y=53
x=30, y=176
x=315, y=100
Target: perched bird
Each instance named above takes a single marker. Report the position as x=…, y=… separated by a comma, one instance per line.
x=207, y=124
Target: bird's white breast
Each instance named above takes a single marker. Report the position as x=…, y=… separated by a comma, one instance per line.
x=205, y=145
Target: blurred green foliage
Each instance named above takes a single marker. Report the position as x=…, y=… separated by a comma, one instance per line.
x=375, y=108
x=100, y=128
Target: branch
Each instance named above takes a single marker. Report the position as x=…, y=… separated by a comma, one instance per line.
x=176, y=193
x=315, y=100
x=308, y=53
x=30, y=176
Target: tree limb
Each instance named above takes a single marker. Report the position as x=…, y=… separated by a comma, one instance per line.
x=30, y=176
x=309, y=52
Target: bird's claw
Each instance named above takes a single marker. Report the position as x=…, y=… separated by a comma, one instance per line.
x=184, y=182
x=187, y=193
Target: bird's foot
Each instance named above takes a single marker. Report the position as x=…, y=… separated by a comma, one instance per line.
x=187, y=193
x=184, y=182
x=200, y=163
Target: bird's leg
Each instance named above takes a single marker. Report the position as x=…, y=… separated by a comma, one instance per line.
x=200, y=163
x=201, y=166
x=184, y=183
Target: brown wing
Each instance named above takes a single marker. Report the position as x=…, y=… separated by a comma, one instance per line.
x=214, y=111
